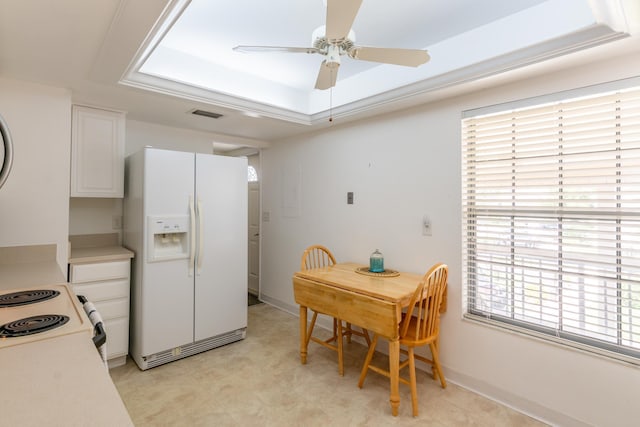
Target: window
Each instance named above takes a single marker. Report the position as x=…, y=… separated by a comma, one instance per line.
x=551, y=220
x=252, y=174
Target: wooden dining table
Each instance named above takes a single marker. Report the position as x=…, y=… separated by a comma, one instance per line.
x=374, y=302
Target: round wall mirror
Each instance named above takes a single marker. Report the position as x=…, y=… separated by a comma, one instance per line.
x=6, y=152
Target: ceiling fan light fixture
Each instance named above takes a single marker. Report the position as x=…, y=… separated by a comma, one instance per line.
x=333, y=56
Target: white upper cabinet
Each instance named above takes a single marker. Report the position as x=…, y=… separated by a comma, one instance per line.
x=97, y=153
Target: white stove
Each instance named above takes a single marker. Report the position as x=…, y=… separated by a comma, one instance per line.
x=53, y=376
x=40, y=313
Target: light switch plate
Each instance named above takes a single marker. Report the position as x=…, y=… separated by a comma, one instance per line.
x=426, y=226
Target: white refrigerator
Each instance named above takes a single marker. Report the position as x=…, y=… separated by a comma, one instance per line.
x=185, y=216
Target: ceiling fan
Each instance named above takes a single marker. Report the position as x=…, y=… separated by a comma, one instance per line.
x=337, y=39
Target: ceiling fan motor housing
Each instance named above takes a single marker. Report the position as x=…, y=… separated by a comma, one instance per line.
x=322, y=44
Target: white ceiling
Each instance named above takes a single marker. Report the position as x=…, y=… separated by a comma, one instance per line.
x=208, y=31
x=98, y=51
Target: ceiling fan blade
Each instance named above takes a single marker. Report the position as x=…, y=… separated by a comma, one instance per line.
x=327, y=75
x=407, y=57
x=251, y=49
x=340, y=17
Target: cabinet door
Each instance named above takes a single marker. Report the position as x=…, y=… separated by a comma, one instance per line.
x=99, y=271
x=113, y=308
x=117, y=331
x=102, y=291
x=97, y=153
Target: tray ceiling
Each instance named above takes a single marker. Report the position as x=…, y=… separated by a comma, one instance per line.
x=189, y=53
x=159, y=60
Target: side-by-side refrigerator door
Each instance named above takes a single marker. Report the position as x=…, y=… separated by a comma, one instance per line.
x=167, y=300
x=221, y=260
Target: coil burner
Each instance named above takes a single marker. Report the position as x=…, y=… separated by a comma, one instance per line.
x=32, y=325
x=15, y=299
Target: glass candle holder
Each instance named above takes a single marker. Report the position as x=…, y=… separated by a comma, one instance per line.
x=376, y=262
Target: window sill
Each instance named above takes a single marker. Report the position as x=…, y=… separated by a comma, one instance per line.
x=555, y=341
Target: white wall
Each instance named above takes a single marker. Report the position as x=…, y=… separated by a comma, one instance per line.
x=404, y=165
x=34, y=202
x=94, y=216
x=140, y=134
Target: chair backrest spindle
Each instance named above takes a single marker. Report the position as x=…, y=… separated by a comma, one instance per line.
x=316, y=256
x=425, y=305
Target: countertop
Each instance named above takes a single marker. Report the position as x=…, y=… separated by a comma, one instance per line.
x=30, y=274
x=99, y=254
x=26, y=266
x=87, y=248
x=58, y=382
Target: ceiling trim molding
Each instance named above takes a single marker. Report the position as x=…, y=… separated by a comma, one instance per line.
x=407, y=95
x=134, y=20
x=593, y=36
x=198, y=94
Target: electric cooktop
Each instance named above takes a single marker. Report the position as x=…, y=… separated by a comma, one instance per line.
x=28, y=315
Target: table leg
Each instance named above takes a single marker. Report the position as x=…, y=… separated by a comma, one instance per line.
x=394, y=367
x=303, y=335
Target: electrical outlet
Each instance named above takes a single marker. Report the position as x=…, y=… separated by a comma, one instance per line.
x=426, y=226
x=116, y=222
x=350, y=198
x=266, y=216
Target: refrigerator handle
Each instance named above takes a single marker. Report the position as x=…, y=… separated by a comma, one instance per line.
x=200, y=237
x=192, y=235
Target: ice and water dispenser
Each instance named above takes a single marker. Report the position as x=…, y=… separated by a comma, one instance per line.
x=168, y=237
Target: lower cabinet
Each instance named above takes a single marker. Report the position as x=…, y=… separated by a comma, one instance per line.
x=107, y=285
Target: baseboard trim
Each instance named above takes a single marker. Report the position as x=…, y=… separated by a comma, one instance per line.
x=517, y=403
x=291, y=309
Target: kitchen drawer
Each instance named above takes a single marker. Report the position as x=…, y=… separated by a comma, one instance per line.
x=99, y=271
x=100, y=291
x=117, y=336
x=113, y=308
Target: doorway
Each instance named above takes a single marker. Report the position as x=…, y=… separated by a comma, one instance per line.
x=253, y=279
x=253, y=215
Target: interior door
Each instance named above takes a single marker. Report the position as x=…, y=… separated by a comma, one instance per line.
x=221, y=263
x=254, y=224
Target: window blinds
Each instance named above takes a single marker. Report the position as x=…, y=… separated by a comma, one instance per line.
x=551, y=219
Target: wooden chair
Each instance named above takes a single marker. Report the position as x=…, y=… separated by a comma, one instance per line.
x=420, y=326
x=318, y=256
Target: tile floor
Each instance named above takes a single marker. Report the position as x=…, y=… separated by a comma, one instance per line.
x=260, y=382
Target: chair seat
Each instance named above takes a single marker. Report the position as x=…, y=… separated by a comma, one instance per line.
x=419, y=326
x=408, y=339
